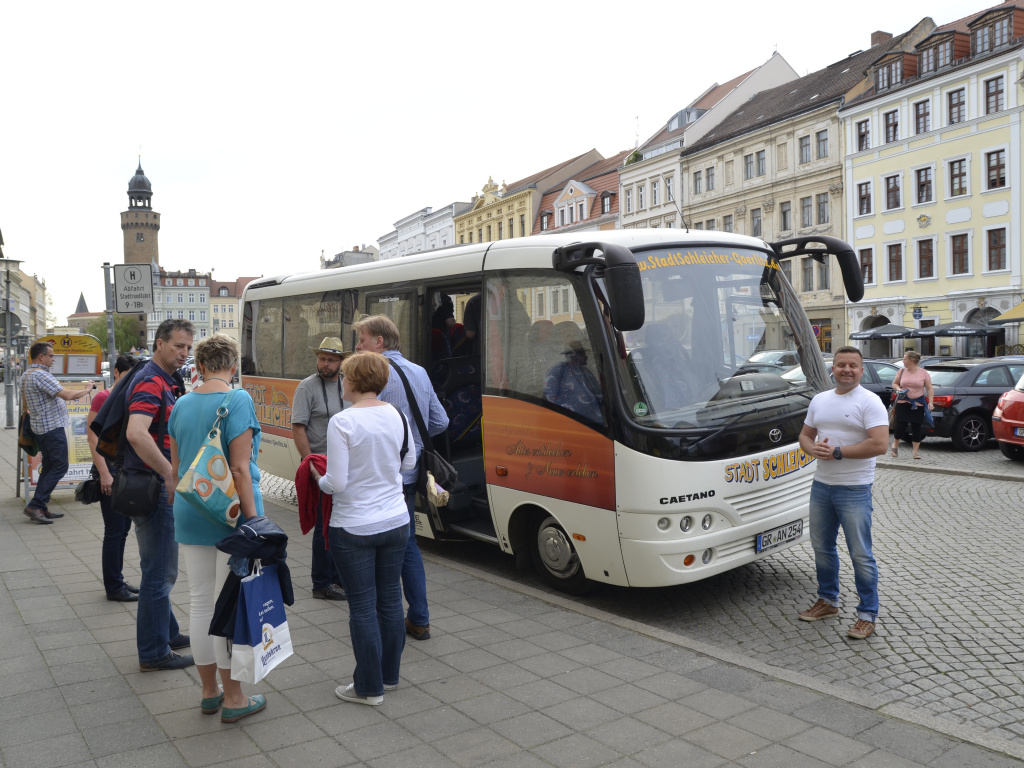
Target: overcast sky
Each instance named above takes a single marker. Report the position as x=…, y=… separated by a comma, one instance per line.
x=272, y=132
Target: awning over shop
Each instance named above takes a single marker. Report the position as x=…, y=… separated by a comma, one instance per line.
x=1015, y=315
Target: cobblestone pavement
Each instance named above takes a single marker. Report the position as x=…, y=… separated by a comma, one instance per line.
x=949, y=639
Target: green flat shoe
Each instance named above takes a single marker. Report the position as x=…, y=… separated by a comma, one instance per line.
x=212, y=705
x=256, y=703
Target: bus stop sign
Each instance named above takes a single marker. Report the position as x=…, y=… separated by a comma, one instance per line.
x=133, y=288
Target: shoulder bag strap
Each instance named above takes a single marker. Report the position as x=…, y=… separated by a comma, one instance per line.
x=405, y=434
x=428, y=444
x=122, y=443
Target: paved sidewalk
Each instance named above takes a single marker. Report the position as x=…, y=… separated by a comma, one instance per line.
x=512, y=677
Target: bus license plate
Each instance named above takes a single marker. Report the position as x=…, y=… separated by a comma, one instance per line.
x=779, y=536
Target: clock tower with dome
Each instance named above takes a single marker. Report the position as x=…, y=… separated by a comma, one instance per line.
x=140, y=223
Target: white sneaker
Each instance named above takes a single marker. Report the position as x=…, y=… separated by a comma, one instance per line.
x=348, y=693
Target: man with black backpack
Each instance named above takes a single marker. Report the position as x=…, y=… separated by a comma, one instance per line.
x=379, y=334
x=149, y=404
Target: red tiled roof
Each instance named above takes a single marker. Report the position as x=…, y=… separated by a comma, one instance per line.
x=602, y=176
x=516, y=186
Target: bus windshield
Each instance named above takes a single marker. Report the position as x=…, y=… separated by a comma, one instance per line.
x=721, y=326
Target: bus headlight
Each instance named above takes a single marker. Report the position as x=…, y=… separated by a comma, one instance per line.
x=664, y=524
x=706, y=557
x=686, y=523
x=706, y=522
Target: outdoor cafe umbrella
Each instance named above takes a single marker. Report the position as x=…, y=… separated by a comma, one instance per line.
x=958, y=328
x=1015, y=315
x=887, y=331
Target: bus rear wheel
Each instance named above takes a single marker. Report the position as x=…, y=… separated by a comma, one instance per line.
x=556, y=559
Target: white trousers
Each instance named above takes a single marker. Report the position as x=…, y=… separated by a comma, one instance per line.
x=207, y=571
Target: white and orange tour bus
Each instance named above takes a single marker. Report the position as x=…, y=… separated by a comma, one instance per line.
x=603, y=416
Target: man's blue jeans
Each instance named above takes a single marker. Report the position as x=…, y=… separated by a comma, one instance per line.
x=371, y=567
x=158, y=560
x=323, y=572
x=414, y=578
x=53, y=446
x=849, y=507
x=115, y=534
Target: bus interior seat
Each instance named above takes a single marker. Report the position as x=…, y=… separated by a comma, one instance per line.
x=457, y=383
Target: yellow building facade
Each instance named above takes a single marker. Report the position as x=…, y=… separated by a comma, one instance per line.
x=933, y=184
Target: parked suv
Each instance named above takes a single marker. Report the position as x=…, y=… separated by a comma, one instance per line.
x=966, y=393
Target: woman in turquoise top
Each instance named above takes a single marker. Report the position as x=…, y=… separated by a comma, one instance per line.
x=191, y=420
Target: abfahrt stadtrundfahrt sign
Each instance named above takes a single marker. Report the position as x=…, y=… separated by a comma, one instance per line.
x=133, y=288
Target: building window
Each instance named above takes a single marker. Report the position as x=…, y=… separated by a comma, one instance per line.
x=480, y=235
x=580, y=211
x=823, y=208
x=761, y=168
x=786, y=216
x=489, y=238
x=629, y=201
x=654, y=195
x=806, y=211
x=926, y=259
x=823, y=276
x=944, y=53
x=755, y=222
x=807, y=283
x=924, y=185
x=543, y=222
x=748, y=166
x=697, y=182
x=864, y=198
x=170, y=315
x=922, y=117
x=926, y=60
x=522, y=225
x=191, y=298
x=892, y=193
x=994, y=100
x=822, y=142
x=501, y=231
x=895, y=252
x=709, y=174
x=996, y=249
x=216, y=308
x=957, y=178
x=727, y=223
x=787, y=270
x=961, y=257
x=699, y=225
x=889, y=74
x=192, y=315
x=641, y=193
x=606, y=204
x=181, y=314
x=863, y=135
x=866, y=266
x=231, y=309
x=957, y=107
x=181, y=298
x=709, y=225
x=995, y=164
x=805, y=149
x=892, y=126
x=668, y=189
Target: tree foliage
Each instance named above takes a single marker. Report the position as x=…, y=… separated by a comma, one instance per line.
x=126, y=331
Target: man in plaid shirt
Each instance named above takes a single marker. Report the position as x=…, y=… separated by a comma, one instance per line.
x=44, y=400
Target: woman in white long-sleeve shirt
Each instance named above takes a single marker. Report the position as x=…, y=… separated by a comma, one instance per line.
x=369, y=522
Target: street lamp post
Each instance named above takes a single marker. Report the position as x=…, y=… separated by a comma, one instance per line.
x=8, y=367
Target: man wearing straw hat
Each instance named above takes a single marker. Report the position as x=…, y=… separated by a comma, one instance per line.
x=317, y=398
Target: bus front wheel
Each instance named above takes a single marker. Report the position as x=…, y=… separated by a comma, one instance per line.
x=556, y=559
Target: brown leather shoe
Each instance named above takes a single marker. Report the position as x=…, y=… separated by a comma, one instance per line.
x=820, y=610
x=52, y=515
x=417, y=633
x=862, y=630
x=37, y=515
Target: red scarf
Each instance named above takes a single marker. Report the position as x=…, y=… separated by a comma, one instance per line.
x=311, y=497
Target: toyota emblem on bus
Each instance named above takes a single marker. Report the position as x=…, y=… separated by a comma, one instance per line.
x=775, y=435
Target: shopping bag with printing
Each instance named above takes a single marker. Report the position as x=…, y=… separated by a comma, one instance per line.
x=261, y=640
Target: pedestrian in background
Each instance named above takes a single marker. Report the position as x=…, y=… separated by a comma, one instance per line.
x=369, y=522
x=115, y=526
x=318, y=398
x=216, y=358
x=914, y=403
x=844, y=430
x=48, y=415
x=379, y=334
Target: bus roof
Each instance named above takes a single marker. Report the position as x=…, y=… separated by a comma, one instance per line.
x=532, y=252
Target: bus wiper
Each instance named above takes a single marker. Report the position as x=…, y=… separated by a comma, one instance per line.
x=694, y=448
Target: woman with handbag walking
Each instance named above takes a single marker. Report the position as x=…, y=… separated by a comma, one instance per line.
x=369, y=445
x=212, y=406
x=914, y=396
x=115, y=526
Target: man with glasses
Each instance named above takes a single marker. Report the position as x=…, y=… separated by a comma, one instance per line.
x=44, y=401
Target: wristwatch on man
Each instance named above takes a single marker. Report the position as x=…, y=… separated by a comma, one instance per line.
x=837, y=454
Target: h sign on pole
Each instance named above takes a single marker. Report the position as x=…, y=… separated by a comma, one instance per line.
x=133, y=288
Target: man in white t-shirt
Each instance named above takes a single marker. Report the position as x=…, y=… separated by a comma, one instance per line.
x=845, y=429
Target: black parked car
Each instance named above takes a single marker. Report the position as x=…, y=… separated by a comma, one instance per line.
x=966, y=393
x=877, y=378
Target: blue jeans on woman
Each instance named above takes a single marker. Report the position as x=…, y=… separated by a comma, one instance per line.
x=849, y=507
x=115, y=534
x=371, y=570
x=158, y=560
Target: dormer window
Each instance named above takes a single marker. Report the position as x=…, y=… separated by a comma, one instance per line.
x=889, y=74
x=990, y=35
x=222, y=292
